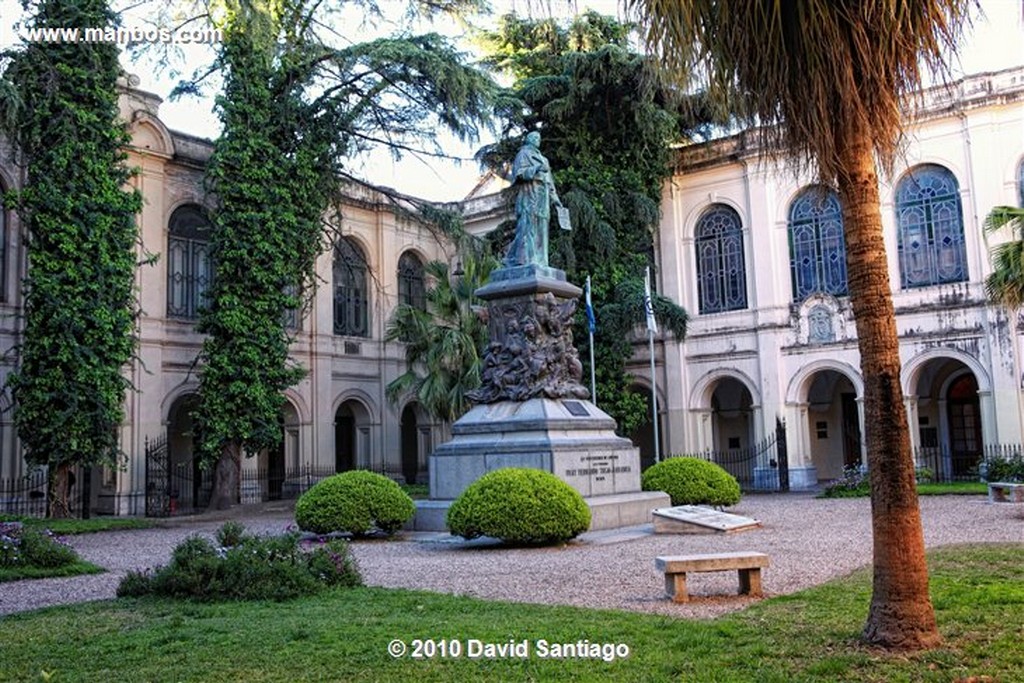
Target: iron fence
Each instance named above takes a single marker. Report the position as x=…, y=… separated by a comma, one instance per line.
x=185, y=488
x=265, y=484
x=761, y=467
x=946, y=465
x=27, y=496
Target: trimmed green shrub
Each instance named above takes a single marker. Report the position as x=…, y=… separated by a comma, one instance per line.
x=251, y=568
x=357, y=502
x=692, y=481
x=519, y=505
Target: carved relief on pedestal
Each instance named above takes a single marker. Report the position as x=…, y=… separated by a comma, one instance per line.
x=531, y=353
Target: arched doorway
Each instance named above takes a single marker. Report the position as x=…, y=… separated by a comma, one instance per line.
x=410, y=444
x=732, y=412
x=351, y=436
x=833, y=423
x=276, y=464
x=949, y=429
x=732, y=429
x=188, y=485
x=643, y=436
x=964, y=419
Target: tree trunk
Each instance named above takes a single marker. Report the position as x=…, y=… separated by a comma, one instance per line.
x=57, y=483
x=901, y=614
x=226, y=476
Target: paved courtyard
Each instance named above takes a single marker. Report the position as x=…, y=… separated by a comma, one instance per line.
x=808, y=540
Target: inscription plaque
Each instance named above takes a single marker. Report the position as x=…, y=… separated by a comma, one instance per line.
x=576, y=408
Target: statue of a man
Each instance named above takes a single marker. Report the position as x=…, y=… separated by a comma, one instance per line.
x=535, y=193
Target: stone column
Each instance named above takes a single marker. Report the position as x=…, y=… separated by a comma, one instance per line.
x=910, y=402
x=987, y=408
x=705, y=438
x=860, y=425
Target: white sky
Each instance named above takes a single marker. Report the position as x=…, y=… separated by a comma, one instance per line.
x=996, y=42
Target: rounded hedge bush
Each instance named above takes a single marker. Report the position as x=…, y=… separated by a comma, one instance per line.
x=521, y=506
x=357, y=501
x=692, y=481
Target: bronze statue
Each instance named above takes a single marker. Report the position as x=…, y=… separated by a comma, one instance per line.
x=535, y=193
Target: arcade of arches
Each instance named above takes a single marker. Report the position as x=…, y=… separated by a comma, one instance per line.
x=950, y=413
x=277, y=473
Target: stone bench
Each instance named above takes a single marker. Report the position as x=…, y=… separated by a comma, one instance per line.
x=676, y=567
x=1005, y=492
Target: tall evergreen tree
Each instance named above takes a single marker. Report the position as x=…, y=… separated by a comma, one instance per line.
x=607, y=130
x=59, y=108
x=294, y=109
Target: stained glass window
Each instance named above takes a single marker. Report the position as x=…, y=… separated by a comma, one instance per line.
x=189, y=267
x=351, y=310
x=721, y=275
x=817, y=252
x=411, y=289
x=930, y=228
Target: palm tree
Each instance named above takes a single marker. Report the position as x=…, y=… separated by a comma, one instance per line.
x=1005, y=285
x=824, y=81
x=444, y=342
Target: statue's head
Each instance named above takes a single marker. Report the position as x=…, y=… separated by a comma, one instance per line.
x=533, y=139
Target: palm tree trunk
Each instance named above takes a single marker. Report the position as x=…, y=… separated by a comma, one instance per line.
x=226, y=475
x=901, y=614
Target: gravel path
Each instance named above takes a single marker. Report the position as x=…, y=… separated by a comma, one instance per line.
x=808, y=540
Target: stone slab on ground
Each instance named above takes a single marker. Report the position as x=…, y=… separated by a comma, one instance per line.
x=698, y=519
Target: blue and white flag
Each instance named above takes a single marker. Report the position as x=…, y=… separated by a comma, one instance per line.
x=652, y=324
x=591, y=322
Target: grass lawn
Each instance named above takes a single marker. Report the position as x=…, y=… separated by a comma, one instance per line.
x=978, y=592
x=73, y=569
x=71, y=527
x=955, y=488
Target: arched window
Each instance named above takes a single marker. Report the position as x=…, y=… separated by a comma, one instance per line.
x=411, y=289
x=189, y=267
x=817, y=254
x=351, y=314
x=721, y=275
x=930, y=228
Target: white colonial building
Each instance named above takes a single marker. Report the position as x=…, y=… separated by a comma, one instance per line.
x=336, y=419
x=751, y=250
x=755, y=253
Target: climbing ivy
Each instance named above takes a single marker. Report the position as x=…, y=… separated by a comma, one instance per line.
x=270, y=172
x=294, y=109
x=606, y=130
x=59, y=108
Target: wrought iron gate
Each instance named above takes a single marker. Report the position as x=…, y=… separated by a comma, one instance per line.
x=761, y=467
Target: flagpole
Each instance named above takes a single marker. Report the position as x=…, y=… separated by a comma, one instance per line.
x=652, y=326
x=590, y=328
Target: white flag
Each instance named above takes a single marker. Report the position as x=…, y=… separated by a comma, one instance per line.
x=652, y=324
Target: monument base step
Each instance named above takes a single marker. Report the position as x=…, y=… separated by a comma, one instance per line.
x=606, y=512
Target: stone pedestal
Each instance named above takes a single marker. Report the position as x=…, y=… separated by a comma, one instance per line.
x=533, y=411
